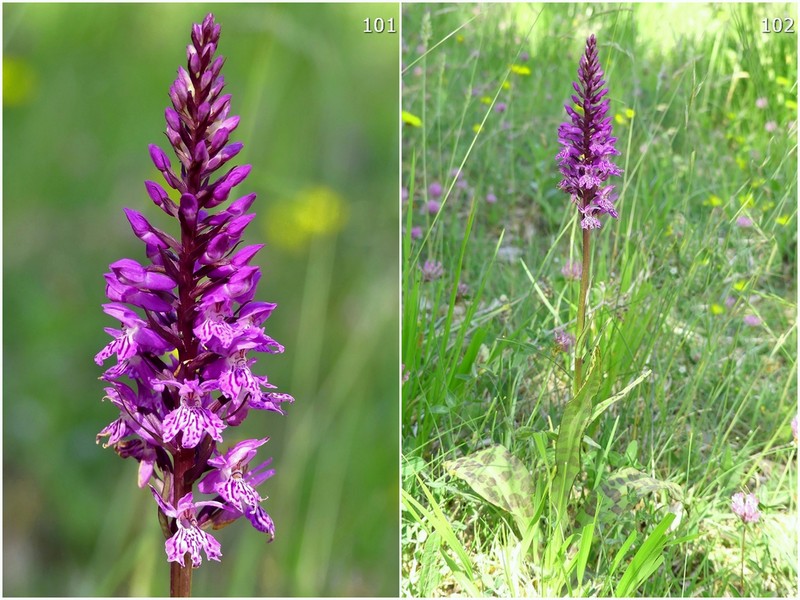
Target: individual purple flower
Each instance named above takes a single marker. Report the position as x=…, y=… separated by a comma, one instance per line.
x=771, y=126
x=761, y=103
x=572, y=270
x=235, y=483
x=564, y=341
x=189, y=322
x=491, y=198
x=191, y=419
x=745, y=507
x=744, y=222
x=500, y=107
x=435, y=190
x=524, y=56
x=730, y=302
x=588, y=144
x=188, y=537
x=416, y=232
x=752, y=320
x=462, y=291
x=431, y=270
x=433, y=207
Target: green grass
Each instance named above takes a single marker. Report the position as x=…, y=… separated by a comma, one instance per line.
x=673, y=279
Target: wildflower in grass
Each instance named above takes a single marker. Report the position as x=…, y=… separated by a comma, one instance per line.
x=752, y=320
x=524, y=56
x=744, y=222
x=416, y=232
x=491, y=198
x=457, y=173
x=435, y=190
x=771, y=126
x=584, y=159
x=520, y=70
x=716, y=309
x=431, y=270
x=500, y=107
x=584, y=162
x=404, y=194
x=433, y=207
x=572, y=269
x=462, y=291
x=730, y=301
x=745, y=506
x=761, y=103
x=190, y=322
x=461, y=184
x=564, y=341
x=794, y=428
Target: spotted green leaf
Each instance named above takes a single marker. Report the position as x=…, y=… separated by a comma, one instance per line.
x=501, y=479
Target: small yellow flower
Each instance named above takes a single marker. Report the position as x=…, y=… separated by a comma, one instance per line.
x=629, y=113
x=757, y=182
x=619, y=119
x=741, y=163
x=769, y=205
x=783, y=220
x=412, y=120
x=477, y=128
x=740, y=285
x=747, y=200
x=506, y=85
x=782, y=81
x=716, y=309
x=19, y=81
x=460, y=38
x=713, y=200
x=314, y=212
x=486, y=100
x=791, y=105
x=520, y=70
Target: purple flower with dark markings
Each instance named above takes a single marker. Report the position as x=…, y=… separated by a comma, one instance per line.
x=190, y=324
x=588, y=144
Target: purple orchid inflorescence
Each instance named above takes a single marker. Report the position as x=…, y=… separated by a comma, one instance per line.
x=190, y=325
x=588, y=144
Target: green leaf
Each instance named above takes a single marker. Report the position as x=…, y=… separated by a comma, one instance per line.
x=577, y=416
x=646, y=560
x=430, y=577
x=501, y=478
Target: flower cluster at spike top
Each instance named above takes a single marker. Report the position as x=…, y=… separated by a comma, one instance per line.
x=587, y=144
x=190, y=324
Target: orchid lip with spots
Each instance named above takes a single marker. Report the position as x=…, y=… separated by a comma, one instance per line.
x=190, y=325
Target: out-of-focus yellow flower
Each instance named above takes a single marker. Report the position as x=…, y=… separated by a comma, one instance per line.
x=619, y=119
x=486, y=100
x=629, y=113
x=477, y=128
x=740, y=285
x=757, y=182
x=769, y=205
x=460, y=38
x=782, y=81
x=506, y=85
x=520, y=70
x=713, y=200
x=716, y=309
x=410, y=119
x=741, y=163
x=747, y=200
x=669, y=232
x=783, y=220
x=314, y=212
x=790, y=104
x=19, y=81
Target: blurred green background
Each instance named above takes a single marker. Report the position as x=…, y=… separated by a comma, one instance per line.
x=84, y=92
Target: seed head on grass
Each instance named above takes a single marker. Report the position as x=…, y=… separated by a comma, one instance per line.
x=587, y=144
x=745, y=506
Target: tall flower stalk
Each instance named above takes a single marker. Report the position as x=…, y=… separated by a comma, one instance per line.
x=189, y=329
x=584, y=162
